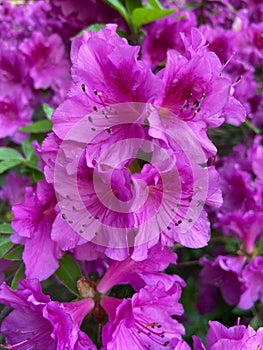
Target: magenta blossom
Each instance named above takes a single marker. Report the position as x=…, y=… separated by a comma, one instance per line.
x=252, y=280
x=14, y=189
x=144, y=321
x=241, y=184
x=14, y=72
x=14, y=114
x=152, y=196
x=120, y=76
x=47, y=60
x=76, y=14
x=195, y=89
x=36, y=321
x=164, y=34
x=223, y=273
x=140, y=273
x=237, y=337
x=32, y=224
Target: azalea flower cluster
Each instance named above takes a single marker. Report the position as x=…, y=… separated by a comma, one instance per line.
x=106, y=207
x=238, y=277
x=34, y=61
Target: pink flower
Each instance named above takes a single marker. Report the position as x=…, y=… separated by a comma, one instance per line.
x=14, y=189
x=120, y=76
x=241, y=184
x=32, y=224
x=164, y=34
x=238, y=337
x=194, y=89
x=140, y=273
x=47, y=60
x=223, y=273
x=14, y=114
x=36, y=321
x=252, y=280
x=144, y=321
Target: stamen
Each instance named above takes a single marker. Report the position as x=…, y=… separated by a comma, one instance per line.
x=149, y=330
x=227, y=61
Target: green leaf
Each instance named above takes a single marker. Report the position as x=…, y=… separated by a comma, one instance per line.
x=15, y=253
x=28, y=149
x=6, y=228
x=68, y=273
x=7, y=153
x=37, y=176
x=117, y=5
x=32, y=165
x=95, y=27
x=7, y=164
x=20, y=274
x=155, y=4
x=252, y=127
x=255, y=323
x=5, y=245
x=38, y=127
x=47, y=110
x=133, y=4
x=142, y=16
x=122, y=34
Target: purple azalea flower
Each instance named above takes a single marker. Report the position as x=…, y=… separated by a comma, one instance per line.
x=14, y=72
x=193, y=87
x=32, y=224
x=36, y=321
x=120, y=76
x=237, y=337
x=221, y=41
x=68, y=239
x=19, y=22
x=76, y=14
x=255, y=158
x=144, y=321
x=139, y=273
x=223, y=273
x=32, y=33
x=226, y=45
x=253, y=49
x=75, y=107
x=203, y=69
x=241, y=184
x=252, y=280
x=246, y=226
x=224, y=13
x=97, y=206
x=164, y=34
x=47, y=61
x=14, y=114
x=14, y=189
